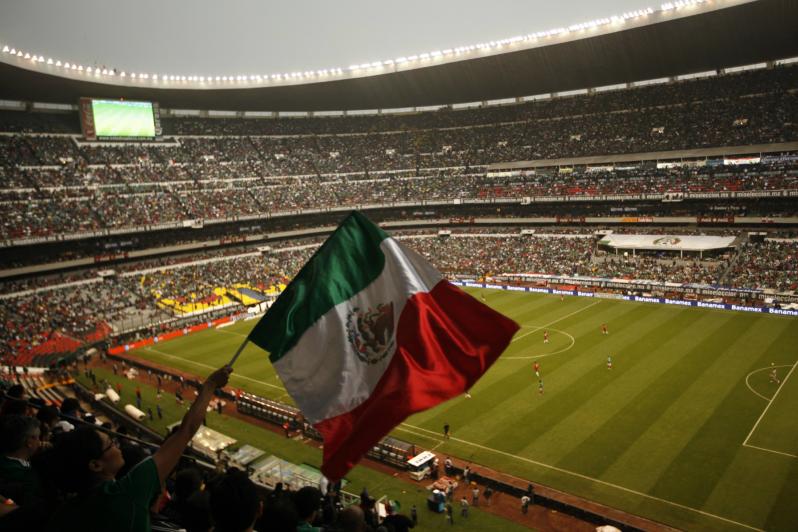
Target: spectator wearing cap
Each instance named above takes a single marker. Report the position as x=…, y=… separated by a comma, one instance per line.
x=16, y=401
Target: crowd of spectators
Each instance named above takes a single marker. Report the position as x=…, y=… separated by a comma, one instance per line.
x=84, y=312
x=79, y=310
x=63, y=470
x=73, y=475
x=33, y=213
x=90, y=311
x=50, y=184
x=772, y=264
x=649, y=268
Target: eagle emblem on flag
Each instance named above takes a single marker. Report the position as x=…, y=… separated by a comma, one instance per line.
x=370, y=332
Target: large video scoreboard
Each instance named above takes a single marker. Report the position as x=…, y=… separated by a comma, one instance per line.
x=119, y=119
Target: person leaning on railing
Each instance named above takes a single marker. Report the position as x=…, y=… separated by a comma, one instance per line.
x=85, y=463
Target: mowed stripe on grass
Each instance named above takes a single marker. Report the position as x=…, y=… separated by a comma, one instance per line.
x=666, y=421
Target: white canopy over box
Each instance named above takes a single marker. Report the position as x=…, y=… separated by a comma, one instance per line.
x=667, y=242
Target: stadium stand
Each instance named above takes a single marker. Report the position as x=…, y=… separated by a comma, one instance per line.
x=51, y=185
x=110, y=243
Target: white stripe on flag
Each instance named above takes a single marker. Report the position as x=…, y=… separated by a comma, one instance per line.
x=321, y=372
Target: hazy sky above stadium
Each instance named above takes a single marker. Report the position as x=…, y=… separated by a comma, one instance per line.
x=203, y=37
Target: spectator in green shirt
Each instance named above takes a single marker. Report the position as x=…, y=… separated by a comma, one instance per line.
x=87, y=461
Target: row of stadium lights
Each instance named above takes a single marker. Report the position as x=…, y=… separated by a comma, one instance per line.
x=377, y=65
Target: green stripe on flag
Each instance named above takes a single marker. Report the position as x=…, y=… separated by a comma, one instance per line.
x=343, y=266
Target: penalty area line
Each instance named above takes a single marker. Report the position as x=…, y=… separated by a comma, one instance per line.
x=772, y=399
x=769, y=450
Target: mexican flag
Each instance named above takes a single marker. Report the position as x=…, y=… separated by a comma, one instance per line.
x=368, y=333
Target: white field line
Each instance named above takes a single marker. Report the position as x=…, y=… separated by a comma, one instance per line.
x=200, y=364
x=768, y=450
x=555, y=321
x=762, y=415
x=585, y=477
x=563, y=350
x=231, y=332
x=757, y=371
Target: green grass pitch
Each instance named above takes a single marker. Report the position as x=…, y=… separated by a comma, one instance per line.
x=686, y=428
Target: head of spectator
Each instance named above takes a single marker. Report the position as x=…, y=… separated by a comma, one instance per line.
x=48, y=416
x=308, y=502
x=187, y=482
x=19, y=437
x=235, y=504
x=189, y=507
x=280, y=515
x=85, y=458
x=352, y=519
x=70, y=407
x=132, y=453
x=17, y=391
x=16, y=402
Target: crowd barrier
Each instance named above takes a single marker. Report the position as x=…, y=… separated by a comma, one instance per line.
x=623, y=297
x=123, y=348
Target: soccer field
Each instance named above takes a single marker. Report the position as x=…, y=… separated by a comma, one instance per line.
x=686, y=428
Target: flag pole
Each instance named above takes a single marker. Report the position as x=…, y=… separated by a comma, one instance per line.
x=240, y=348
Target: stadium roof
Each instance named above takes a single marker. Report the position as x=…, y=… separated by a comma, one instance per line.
x=668, y=43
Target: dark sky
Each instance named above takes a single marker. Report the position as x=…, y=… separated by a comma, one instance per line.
x=212, y=37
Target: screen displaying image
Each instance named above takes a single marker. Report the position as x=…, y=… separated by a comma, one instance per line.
x=115, y=118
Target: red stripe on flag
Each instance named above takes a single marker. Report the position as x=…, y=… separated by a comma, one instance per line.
x=446, y=340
